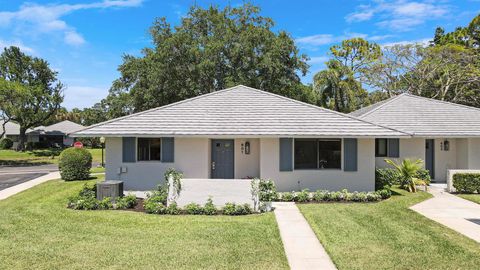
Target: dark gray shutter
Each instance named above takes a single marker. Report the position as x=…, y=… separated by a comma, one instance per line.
x=394, y=148
x=286, y=156
x=350, y=153
x=128, y=149
x=168, y=149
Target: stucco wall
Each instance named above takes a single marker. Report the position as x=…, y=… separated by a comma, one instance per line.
x=361, y=180
x=413, y=148
x=474, y=153
x=247, y=165
x=462, y=153
x=190, y=158
x=444, y=160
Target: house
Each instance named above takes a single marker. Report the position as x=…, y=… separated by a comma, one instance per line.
x=242, y=132
x=53, y=135
x=56, y=134
x=445, y=135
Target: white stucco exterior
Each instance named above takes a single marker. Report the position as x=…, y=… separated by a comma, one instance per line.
x=413, y=148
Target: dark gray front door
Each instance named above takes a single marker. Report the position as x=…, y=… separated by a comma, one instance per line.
x=222, y=159
x=430, y=156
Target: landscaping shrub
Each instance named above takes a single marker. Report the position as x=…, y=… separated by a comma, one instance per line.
x=6, y=143
x=152, y=207
x=235, y=210
x=105, y=204
x=209, y=208
x=129, y=201
x=302, y=196
x=466, y=182
x=424, y=174
x=287, y=196
x=267, y=190
x=320, y=195
x=386, y=177
x=384, y=193
x=193, y=209
x=172, y=209
x=75, y=164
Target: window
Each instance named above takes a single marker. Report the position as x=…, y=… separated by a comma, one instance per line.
x=318, y=154
x=148, y=149
x=381, y=147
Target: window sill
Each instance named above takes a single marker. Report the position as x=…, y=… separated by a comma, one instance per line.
x=326, y=169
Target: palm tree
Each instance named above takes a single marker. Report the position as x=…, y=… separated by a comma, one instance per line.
x=408, y=170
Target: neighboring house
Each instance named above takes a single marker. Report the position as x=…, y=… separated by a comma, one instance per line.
x=56, y=134
x=12, y=131
x=53, y=135
x=243, y=132
x=445, y=135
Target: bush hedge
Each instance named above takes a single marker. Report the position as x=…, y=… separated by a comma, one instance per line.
x=74, y=164
x=6, y=143
x=335, y=196
x=86, y=200
x=466, y=182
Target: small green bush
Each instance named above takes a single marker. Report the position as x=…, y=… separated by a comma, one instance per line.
x=320, y=195
x=105, y=204
x=74, y=164
x=267, y=190
x=302, y=196
x=424, y=174
x=6, y=143
x=384, y=193
x=152, y=207
x=129, y=201
x=466, y=182
x=385, y=178
x=172, y=209
x=229, y=209
x=209, y=208
x=233, y=209
x=193, y=209
x=287, y=196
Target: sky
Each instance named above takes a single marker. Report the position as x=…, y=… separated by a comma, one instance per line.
x=84, y=40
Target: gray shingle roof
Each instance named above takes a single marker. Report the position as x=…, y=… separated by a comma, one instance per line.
x=11, y=128
x=424, y=117
x=60, y=128
x=239, y=111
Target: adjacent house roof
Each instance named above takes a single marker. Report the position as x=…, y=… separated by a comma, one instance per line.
x=239, y=111
x=11, y=128
x=60, y=128
x=424, y=117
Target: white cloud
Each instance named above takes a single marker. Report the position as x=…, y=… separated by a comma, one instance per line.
x=325, y=39
x=400, y=15
x=17, y=43
x=43, y=19
x=423, y=41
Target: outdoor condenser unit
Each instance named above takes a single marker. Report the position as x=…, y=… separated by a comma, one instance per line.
x=109, y=188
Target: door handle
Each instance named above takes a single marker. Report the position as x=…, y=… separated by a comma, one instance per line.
x=213, y=165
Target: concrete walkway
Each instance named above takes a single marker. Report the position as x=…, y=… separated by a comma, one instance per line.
x=302, y=247
x=452, y=211
x=26, y=185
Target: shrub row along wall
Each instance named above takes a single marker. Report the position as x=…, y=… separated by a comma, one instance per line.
x=466, y=182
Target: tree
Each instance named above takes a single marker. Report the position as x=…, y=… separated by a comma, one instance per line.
x=338, y=89
x=30, y=92
x=356, y=54
x=211, y=49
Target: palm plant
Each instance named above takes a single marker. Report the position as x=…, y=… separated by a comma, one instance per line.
x=408, y=170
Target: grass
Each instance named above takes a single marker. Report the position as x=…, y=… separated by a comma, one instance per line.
x=471, y=197
x=388, y=235
x=37, y=230
x=41, y=156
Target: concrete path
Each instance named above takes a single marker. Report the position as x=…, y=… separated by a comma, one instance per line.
x=452, y=211
x=302, y=247
x=24, y=186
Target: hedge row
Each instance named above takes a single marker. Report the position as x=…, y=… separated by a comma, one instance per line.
x=334, y=196
x=467, y=182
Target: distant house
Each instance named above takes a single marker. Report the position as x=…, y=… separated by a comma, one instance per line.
x=56, y=135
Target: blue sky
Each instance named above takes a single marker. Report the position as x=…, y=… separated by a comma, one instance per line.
x=84, y=40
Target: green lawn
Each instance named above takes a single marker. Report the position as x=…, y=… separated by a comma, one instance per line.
x=36, y=230
x=471, y=197
x=41, y=156
x=388, y=235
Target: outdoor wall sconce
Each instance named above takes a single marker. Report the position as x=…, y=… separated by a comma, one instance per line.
x=247, y=148
x=446, y=145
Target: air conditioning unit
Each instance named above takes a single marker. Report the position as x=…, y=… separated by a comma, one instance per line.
x=109, y=188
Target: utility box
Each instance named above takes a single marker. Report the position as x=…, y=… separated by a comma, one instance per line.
x=109, y=188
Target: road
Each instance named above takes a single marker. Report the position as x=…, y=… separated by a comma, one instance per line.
x=11, y=176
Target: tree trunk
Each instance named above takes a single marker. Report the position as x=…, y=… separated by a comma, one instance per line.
x=22, y=139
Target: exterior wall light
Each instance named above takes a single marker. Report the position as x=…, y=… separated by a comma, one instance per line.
x=247, y=148
x=446, y=145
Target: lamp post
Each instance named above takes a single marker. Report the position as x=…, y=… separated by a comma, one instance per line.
x=102, y=141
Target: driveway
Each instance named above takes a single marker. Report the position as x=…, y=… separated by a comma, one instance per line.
x=14, y=175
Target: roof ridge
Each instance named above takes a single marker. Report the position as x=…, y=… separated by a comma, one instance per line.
x=385, y=102
x=325, y=109
x=158, y=108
